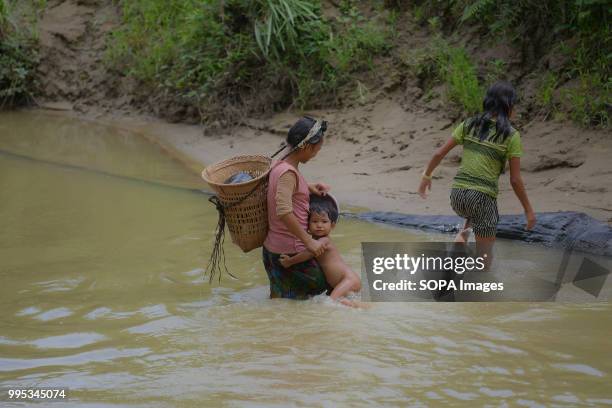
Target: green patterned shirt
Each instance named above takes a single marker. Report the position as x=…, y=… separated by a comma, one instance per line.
x=484, y=161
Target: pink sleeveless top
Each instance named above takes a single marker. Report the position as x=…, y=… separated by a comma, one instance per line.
x=279, y=240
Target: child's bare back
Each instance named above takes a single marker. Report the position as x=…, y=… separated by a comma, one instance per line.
x=333, y=265
x=337, y=273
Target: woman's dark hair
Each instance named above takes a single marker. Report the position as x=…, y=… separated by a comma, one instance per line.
x=498, y=102
x=300, y=130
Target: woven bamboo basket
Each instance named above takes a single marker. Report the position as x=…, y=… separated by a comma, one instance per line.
x=247, y=218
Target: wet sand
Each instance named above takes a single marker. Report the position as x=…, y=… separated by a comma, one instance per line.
x=374, y=155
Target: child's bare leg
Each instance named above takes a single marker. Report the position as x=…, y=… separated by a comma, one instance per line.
x=355, y=303
x=350, y=283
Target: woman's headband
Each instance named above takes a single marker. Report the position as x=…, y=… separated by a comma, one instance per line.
x=313, y=132
x=317, y=129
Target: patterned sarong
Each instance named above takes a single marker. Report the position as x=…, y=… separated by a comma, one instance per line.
x=300, y=281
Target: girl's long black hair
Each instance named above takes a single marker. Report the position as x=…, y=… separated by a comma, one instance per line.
x=498, y=103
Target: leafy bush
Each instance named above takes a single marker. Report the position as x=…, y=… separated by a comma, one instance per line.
x=17, y=66
x=536, y=27
x=439, y=62
x=460, y=76
x=245, y=53
x=536, y=24
x=279, y=29
x=545, y=94
x=590, y=101
x=496, y=69
x=18, y=54
x=355, y=42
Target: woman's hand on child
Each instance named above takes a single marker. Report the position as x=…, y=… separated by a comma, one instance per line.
x=319, y=188
x=531, y=220
x=285, y=260
x=317, y=248
x=425, y=185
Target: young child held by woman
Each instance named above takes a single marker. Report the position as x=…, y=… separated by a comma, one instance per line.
x=323, y=216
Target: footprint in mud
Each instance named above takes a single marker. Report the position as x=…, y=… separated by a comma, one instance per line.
x=548, y=163
x=351, y=139
x=396, y=169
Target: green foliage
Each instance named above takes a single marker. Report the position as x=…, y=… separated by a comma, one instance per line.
x=17, y=66
x=544, y=22
x=418, y=14
x=590, y=101
x=393, y=18
x=496, y=70
x=426, y=63
x=434, y=23
x=544, y=96
x=211, y=51
x=460, y=76
x=355, y=43
x=18, y=51
x=439, y=62
x=536, y=27
x=476, y=9
x=4, y=20
x=281, y=23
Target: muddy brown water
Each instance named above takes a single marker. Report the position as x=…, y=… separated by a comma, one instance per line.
x=102, y=245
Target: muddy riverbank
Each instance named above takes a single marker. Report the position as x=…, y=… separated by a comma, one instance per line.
x=373, y=158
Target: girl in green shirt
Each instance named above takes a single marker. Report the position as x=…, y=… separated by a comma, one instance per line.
x=489, y=141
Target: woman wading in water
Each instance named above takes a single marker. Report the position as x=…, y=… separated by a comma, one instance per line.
x=288, y=204
x=489, y=141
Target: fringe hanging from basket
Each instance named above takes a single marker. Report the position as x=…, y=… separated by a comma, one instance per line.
x=216, y=262
x=217, y=257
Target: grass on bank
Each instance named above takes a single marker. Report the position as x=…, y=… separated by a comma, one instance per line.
x=579, y=30
x=251, y=54
x=239, y=57
x=18, y=51
x=440, y=63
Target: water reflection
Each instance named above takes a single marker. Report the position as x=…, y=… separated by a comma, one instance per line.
x=90, y=146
